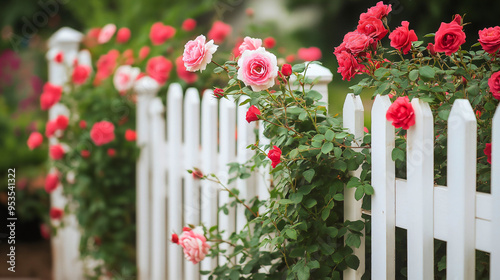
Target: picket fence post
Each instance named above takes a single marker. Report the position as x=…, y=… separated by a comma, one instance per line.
x=353, y=118
x=420, y=180
x=146, y=88
x=495, y=193
x=383, y=201
x=65, y=253
x=461, y=249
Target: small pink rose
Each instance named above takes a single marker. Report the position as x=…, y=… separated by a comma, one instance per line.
x=160, y=33
x=35, y=140
x=56, y=152
x=219, y=32
x=123, y=35
x=106, y=33
x=258, y=69
x=102, y=133
x=125, y=77
x=309, y=54
x=194, y=244
x=250, y=44
x=189, y=24
x=197, y=54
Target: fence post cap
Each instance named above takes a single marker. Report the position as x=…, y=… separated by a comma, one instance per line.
x=315, y=70
x=146, y=86
x=65, y=35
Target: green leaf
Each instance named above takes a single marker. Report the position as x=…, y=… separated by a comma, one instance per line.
x=234, y=275
x=413, y=75
x=303, y=273
x=325, y=213
x=444, y=114
x=327, y=147
x=429, y=35
x=337, y=152
x=310, y=202
x=359, y=193
x=308, y=175
x=398, y=154
x=332, y=231
x=314, y=95
x=305, y=190
x=353, y=240
x=299, y=68
x=352, y=261
x=338, y=197
x=369, y=189
x=291, y=233
x=218, y=70
x=427, y=72
x=297, y=252
x=294, y=153
x=379, y=73
x=329, y=135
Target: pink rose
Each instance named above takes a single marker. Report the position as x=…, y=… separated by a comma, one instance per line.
x=309, y=54
x=372, y=27
x=258, y=69
x=197, y=174
x=106, y=65
x=123, y=35
x=450, y=36
x=194, y=244
x=80, y=74
x=82, y=124
x=379, y=11
x=124, y=77
x=269, y=43
x=275, y=156
x=130, y=135
x=348, y=65
x=56, y=152
x=102, y=133
x=60, y=57
x=357, y=42
x=144, y=52
x=219, y=32
x=401, y=113
x=252, y=114
x=51, y=182
x=61, y=122
x=490, y=39
x=494, y=84
x=159, y=68
x=51, y=95
x=186, y=76
x=197, y=54
x=106, y=33
x=487, y=152
x=189, y=24
x=250, y=44
x=56, y=213
x=35, y=140
x=50, y=128
x=401, y=38
x=160, y=33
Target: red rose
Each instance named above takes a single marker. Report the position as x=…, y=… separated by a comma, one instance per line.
x=219, y=32
x=51, y=95
x=269, y=43
x=372, y=27
x=50, y=128
x=450, y=36
x=144, y=52
x=51, y=182
x=348, y=65
x=111, y=152
x=82, y=124
x=85, y=153
x=175, y=238
x=56, y=213
x=275, y=156
x=309, y=54
x=80, y=74
x=494, y=84
x=218, y=92
x=62, y=122
x=35, y=140
x=56, y=152
x=401, y=113
x=379, y=11
x=106, y=65
x=160, y=33
x=402, y=37
x=252, y=114
x=159, y=68
x=431, y=49
x=186, y=76
x=123, y=35
x=189, y=24
x=186, y=229
x=130, y=135
x=490, y=39
x=286, y=69
x=487, y=152
x=59, y=57
x=102, y=133
x=356, y=42
x=197, y=174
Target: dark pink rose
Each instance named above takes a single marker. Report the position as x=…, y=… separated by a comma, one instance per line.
x=309, y=54
x=379, y=11
x=356, y=42
x=372, y=27
x=219, y=32
x=402, y=37
x=401, y=113
x=159, y=68
x=487, y=152
x=123, y=35
x=160, y=33
x=348, y=65
x=450, y=36
x=102, y=133
x=275, y=156
x=252, y=114
x=490, y=39
x=494, y=84
x=35, y=140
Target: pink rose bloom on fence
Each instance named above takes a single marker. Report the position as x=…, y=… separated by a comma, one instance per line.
x=124, y=77
x=159, y=68
x=258, y=69
x=348, y=65
x=56, y=152
x=450, y=36
x=309, y=54
x=186, y=76
x=401, y=113
x=379, y=11
x=80, y=74
x=194, y=244
x=356, y=42
x=197, y=54
x=123, y=35
x=35, y=140
x=102, y=133
x=372, y=27
x=402, y=37
x=250, y=44
x=219, y=31
x=160, y=33
x=50, y=96
x=494, y=84
x=51, y=182
x=490, y=39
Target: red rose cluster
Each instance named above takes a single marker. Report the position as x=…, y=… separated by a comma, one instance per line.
x=357, y=43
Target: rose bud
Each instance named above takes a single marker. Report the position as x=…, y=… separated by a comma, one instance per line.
x=286, y=69
x=175, y=238
x=218, y=92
